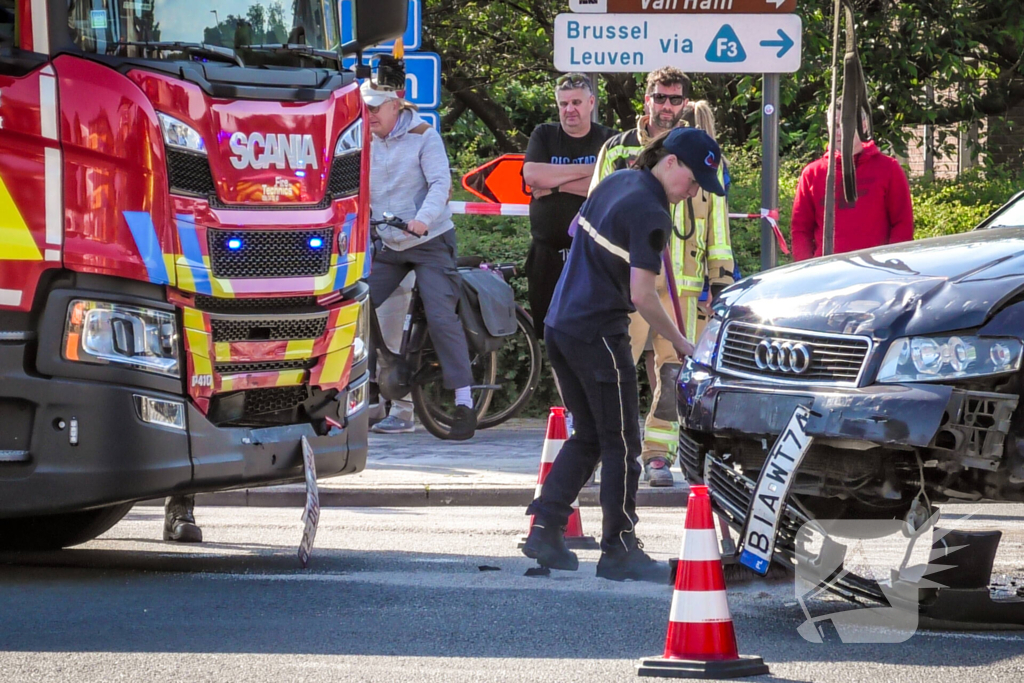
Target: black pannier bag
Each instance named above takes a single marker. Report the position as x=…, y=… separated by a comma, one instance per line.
x=487, y=309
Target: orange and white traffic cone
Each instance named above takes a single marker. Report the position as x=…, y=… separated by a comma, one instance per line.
x=556, y=436
x=701, y=641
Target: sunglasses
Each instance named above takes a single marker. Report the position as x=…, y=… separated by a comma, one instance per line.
x=660, y=98
x=572, y=81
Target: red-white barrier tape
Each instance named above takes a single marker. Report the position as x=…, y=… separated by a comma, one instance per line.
x=487, y=209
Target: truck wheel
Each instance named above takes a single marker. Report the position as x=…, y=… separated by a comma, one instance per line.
x=53, y=532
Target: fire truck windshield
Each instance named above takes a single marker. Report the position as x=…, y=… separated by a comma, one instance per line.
x=185, y=29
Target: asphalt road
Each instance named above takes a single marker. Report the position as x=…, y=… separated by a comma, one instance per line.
x=399, y=595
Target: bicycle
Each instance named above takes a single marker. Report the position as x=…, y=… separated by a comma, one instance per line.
x=415, y=369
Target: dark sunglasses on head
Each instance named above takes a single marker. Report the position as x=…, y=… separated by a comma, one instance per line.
x=572, y=81
x=660, y=98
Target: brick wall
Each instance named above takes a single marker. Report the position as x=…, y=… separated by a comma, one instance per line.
x=1006, y=137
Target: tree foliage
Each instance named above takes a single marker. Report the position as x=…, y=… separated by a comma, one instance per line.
x=943, y=62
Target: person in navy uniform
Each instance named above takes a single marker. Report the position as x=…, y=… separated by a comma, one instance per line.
x=610, y=272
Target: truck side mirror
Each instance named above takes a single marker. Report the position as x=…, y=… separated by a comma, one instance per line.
x=375, y=21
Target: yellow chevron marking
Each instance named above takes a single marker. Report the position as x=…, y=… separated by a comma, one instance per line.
x=194, y=319
x=220, y=287
x=290, y=378
x=222, y=351
x=201, y=365
x=16, y=243
x=342, y=339
x=348, y=314
x=334, y=367
x=355, y=268
x=198, y=343
x=298, y=350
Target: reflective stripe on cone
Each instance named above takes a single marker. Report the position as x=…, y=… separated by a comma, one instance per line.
x=701, y=639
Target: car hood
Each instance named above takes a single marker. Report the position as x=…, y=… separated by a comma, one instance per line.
x=932, y=285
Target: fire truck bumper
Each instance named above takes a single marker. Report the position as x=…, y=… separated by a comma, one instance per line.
x=72, y=444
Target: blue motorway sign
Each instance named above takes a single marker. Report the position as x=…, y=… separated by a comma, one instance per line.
x=422, y=77
x=410, y=40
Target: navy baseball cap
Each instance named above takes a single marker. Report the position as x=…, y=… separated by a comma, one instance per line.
x=700, y=153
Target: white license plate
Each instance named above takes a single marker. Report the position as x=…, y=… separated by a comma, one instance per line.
x=773, y=484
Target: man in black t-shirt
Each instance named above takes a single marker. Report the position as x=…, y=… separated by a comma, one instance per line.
x=558, y=167
x=611, y=270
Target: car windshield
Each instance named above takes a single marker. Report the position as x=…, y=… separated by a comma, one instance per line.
x=167, y=29
x=1010, y=217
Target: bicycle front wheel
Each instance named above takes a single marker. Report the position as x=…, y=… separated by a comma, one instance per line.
x=435, y=405
x=518, y=372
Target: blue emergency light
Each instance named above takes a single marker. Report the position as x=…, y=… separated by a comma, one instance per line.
x=315, y=242
x=234, y=244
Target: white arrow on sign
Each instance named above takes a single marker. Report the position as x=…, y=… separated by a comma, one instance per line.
x=699, y=43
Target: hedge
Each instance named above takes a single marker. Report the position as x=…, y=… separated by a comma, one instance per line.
x=941, y=207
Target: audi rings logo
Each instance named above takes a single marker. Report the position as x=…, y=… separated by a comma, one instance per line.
x=782, y=356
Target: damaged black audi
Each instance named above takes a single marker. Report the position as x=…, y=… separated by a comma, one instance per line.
x=901, y=366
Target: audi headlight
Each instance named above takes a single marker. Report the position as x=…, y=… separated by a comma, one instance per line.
x=180, y=135
x=707, y=344
x=140, y=338
x=359, y=345
x=351, y=140
x=929, y=359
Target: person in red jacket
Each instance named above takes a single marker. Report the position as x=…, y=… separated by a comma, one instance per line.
x=882, y=214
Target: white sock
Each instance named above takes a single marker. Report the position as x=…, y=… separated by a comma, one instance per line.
x=464, y=397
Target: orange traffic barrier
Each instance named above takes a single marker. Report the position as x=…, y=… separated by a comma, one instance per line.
x=701, y=640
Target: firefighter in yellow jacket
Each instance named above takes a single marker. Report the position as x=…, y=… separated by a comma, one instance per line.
x=701, y=247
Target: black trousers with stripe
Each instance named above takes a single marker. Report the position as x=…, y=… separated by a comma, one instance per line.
x=599, y=387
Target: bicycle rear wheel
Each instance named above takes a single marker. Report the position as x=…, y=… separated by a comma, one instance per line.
x=435, y=405
x=518, y=372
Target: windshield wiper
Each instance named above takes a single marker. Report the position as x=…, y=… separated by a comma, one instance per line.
x=297, y=48
x=224, y=54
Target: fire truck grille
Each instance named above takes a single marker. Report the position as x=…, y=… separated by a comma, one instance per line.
x=189, y=173
x=263, y=401
x=286, y=304
x=268, y=366
x=344, y=179
x=269, y=253
x=268, y=329
x=216, y=203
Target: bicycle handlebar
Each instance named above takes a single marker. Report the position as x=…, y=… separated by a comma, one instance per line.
x=394, y=222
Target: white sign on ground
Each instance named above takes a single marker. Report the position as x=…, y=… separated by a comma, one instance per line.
x=706, y=43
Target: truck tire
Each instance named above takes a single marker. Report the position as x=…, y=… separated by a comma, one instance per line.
x=53, y=532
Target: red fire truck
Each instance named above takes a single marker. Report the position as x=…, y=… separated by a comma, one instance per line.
x=183, y=248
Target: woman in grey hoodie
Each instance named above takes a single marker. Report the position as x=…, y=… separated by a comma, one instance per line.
x=410, y=178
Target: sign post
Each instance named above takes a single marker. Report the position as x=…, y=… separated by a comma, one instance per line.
x=769, y=167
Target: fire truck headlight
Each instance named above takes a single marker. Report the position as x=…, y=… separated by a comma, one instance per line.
x=359, y=342
x=356, y=399
x=107, y=333
x=351, y=140
x=180, y=135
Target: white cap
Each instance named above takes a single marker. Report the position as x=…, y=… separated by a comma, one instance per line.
x=374, y=97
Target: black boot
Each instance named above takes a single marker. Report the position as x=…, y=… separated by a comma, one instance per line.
x=179, y=523
x=632, y=565
x=546, y=544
